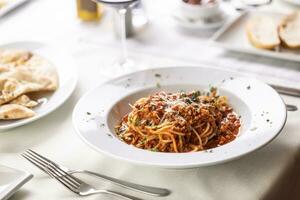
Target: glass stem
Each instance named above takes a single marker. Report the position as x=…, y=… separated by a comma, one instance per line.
x=122, y=14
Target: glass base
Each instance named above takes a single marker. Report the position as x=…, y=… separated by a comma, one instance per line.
x=119, y=68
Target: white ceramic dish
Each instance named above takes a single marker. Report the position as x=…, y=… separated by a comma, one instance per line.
x=96, y=114
x=13, y=4
x=11, y=180
x=197, y=12
x=67, y=80
x=185, y=23
x=233, y=37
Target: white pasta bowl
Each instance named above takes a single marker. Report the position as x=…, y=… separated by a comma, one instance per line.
x=262, y=111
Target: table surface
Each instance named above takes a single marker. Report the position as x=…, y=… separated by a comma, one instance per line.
x=269, y=173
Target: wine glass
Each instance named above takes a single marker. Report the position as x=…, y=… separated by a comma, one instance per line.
x=121, y=7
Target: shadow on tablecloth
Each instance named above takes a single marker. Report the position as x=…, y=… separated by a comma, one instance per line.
x=287, y=186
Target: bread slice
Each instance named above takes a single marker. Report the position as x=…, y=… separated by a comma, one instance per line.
x=262, y=32
x=289, y=30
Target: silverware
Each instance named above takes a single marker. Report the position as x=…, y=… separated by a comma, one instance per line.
x=69, y=181
x=291, y=107
x=286, y=90
x=44, y=163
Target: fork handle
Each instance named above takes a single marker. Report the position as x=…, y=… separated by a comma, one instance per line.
x=154, y=191
x=116, y=194
x=291, y=108
x=286, y=90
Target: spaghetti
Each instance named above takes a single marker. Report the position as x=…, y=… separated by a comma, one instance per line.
x=179, y=122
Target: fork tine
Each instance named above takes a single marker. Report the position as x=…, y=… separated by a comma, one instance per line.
x=35, y=163
x=51, y=165
x=54, y=170
x=65, y=182
x=40, y=156
x=51, y=173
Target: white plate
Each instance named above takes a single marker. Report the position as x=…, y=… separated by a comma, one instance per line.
x=12, y=4
x=262, y=111
x=233, y=37
x=67, y=80
x=181, y=21
x=11, y=180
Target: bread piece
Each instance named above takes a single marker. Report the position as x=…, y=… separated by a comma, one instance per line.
x=22, y=72
x=14, y=57
x=289, y=30
x=15, y=111
x=24, y=100
x=262, y=32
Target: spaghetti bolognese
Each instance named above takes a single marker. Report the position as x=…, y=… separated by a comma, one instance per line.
x=179, y=122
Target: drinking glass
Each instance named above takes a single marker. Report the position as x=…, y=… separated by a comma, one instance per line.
x=121, y=7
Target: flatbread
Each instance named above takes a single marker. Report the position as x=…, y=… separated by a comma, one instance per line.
x=15, y=111
x=22, y=72
x=24, y=100
x=14, y=57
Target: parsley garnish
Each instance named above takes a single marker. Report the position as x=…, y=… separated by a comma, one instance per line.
x=189, y=101
x=195, y=95
x=158, y=85
x=182, y=95
x=143, y=140
x=154, y=149
x=137, y=122
x=213, y=89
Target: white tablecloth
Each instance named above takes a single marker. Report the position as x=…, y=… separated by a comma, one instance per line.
x=269, y=173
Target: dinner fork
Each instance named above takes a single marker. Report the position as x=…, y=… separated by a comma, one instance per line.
x=44, y=164
x=69, y=181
